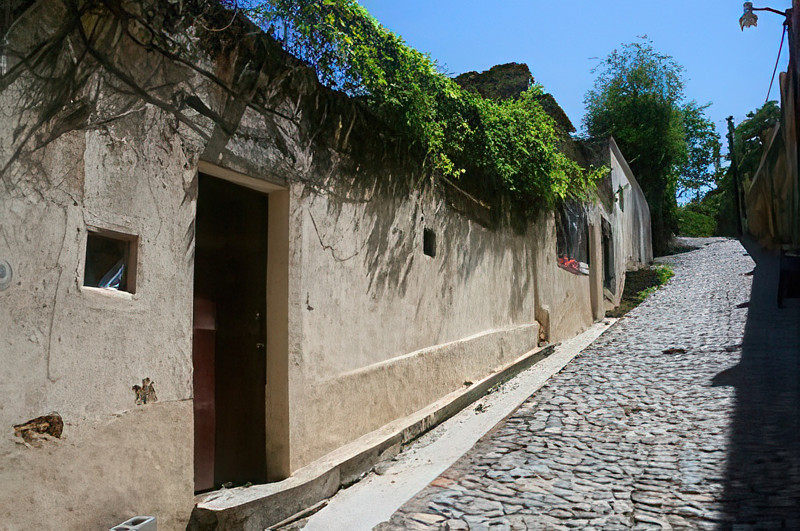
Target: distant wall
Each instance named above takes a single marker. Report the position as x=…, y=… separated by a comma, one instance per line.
x=568, y=303
x=563, y=304
x=635, y=249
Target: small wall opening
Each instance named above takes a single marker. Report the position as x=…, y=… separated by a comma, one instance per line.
x=429, y=242
x=609, y=268
x=110, y=260
x=572, y=237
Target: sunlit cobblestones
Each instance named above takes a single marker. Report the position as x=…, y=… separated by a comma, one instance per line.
x=626, y=436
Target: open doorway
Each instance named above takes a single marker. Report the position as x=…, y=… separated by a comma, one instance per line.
x=229, y=351
x=609, y=268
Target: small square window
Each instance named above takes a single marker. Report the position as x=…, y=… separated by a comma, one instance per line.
x=110, y=261
x=429, y=242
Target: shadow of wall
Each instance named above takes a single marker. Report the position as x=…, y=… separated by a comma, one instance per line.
x=762, y=480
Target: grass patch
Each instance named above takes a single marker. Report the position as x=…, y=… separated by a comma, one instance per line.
x=639, y=285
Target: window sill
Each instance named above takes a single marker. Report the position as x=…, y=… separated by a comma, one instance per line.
x=574, y=271
x=110, y=293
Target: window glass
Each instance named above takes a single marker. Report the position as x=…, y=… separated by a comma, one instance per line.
x=572, y=237
x=108, y=262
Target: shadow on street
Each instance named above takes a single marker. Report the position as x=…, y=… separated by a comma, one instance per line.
x=762, y=480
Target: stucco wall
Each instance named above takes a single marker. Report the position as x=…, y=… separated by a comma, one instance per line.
x=634, y=248
x=385, y=329
x=628, y=217
x=78, y=351
x=563, y=298
x=567, y=303
x=103, y=473
x=369, y=328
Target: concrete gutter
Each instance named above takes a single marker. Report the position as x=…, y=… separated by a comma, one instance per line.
x=260, y=506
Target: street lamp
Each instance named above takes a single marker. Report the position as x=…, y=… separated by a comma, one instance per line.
x=749, y=18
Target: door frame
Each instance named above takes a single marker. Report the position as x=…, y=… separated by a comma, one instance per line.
x=277, y=325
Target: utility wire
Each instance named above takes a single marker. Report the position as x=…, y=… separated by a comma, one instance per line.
x=771, y=81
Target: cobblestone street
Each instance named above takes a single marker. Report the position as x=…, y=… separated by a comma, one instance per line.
x=637, y=431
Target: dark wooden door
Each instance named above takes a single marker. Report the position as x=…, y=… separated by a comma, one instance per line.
x=230, y=273
x=204, y=355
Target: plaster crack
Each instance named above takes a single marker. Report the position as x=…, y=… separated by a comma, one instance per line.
x=329, y=247
x=55, y=301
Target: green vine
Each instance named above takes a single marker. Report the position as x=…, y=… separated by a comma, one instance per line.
x=510, y=145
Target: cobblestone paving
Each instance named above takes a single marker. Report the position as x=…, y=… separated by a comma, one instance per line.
x=629, y=435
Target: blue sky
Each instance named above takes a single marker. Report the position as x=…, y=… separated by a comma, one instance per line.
x=563, y=41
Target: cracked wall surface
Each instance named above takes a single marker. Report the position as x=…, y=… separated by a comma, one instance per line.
x=78, y=350
x=383, y=329
x=372, y=329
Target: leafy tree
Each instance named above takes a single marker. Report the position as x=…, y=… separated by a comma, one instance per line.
x=638, y=98
x=696, y=219
x=700, y=173
x=718, y=205
x=751, y=136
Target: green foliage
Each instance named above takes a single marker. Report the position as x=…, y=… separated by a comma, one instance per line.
x=751, y=137
x=663, y=274
x=642, y=295
x=638, y=98
x=506, y=145
x=718, y=205
x=516, y=139
x=700, y=171
x=639, y=285
x=695, y=221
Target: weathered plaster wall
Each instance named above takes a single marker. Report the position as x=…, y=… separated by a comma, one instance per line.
x=385, y=329
x=376, y=329
x=134, y=462
x=634, y=248
x=563, y=299
x=79, y=351
x=371, y=329
x=628, y=217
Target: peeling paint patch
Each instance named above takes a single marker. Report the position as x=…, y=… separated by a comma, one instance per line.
x=145, y=393
x=44, y=427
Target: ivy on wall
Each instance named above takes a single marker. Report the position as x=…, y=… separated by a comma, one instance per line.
x=509, y=145
x=498, y=149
